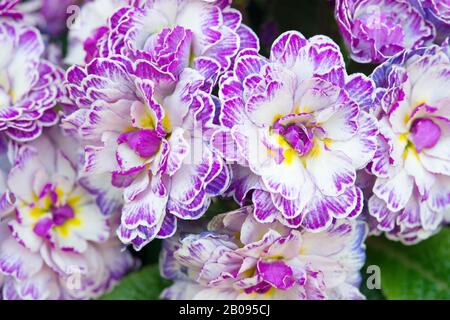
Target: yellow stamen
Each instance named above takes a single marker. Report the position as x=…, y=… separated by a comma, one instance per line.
x=288, y=152
x=60, y=193
x=277, y=117
x=64, y=229
x=36, y=212
x=166, y=123
x=423, y=101
x=316, y=150
x=403, y=137
x=327, y=142
x=147, y=121
x=191, y=57
x=270, y=292
x=289, y=155
x=406, y=118
x=73, y=201
x=410, y=148
x=249, y=273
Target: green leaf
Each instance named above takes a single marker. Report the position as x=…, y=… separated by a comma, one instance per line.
x=420, y=271
x=145, y=284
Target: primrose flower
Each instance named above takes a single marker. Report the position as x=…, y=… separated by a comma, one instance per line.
x=297, y=127
x=201, y=34
x=54, y=241
x=149, y=130
x=29, y=85
x=438, y=13
x=411, y=194
x=240, y=258
x=89, y=25
x=375, y=30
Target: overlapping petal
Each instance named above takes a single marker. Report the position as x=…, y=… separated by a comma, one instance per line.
x=30, y=85
x=240, y=258
x=147, y=128
x=411, y=165
x=378, y=29
x=56, y=244
x=300, y=128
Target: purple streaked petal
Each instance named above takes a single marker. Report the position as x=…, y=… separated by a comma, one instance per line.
x=264, y=210
x=168, y=227
x=277, y=273
x=18, y=261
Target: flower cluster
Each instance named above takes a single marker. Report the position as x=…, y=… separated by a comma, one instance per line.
x=145, y=109
x=240, y=258
x=150, y=138
x=159, y=108
x=54, y=241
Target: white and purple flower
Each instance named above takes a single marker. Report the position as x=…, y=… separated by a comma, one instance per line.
x=149, y=130
x=29, y=85
x=89, y=25
x=375, y=30
x=177, y=34
x=411, y=199
x=297, y=127
x=54, y=241
x=240, y=258
x=438, y=13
